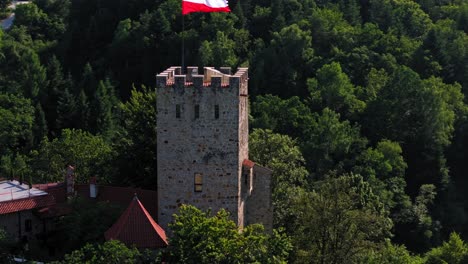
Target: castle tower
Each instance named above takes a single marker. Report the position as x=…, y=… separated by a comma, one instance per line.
x=202, y=128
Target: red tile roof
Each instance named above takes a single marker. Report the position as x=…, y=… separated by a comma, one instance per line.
x=56, y=189
x=7, y=207
x=248, y=163
x=136, y=227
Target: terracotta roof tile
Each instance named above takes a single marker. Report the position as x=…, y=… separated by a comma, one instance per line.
x=7, y=207
x=136, y=227
x=248, y=163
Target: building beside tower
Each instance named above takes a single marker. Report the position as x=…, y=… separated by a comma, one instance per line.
x=203, y=147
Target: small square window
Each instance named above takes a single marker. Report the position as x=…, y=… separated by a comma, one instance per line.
x=216, y=111
x=198, y=182
x=197, y=111
x=177, y=111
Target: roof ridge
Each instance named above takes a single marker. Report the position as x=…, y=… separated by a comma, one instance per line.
x=157, y=228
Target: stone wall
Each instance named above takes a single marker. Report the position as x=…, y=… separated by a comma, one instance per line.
x=191, y=143
x=15, y=225
x=259, y=206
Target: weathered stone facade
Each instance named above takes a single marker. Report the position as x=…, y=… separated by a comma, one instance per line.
x=203, y=143
x=23, y=225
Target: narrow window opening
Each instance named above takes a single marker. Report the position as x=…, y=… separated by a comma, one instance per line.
x=216, y=111
x=198, y=182
x=197, y=111
x=177, y=111
x=28, y=225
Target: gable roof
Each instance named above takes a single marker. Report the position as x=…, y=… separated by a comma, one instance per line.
x=136, y=227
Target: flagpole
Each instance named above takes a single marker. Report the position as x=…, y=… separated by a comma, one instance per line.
x=183, y=45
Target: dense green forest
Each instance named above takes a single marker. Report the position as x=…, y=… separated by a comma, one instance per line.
x=358, y=106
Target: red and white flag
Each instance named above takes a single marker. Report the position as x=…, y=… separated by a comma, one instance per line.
x=190, y=6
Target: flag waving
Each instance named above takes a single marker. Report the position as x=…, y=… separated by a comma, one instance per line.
x=190, y=6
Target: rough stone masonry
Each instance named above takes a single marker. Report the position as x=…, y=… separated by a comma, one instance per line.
x=202, y=129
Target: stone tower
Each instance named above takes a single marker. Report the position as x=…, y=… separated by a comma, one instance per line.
x=202, y=128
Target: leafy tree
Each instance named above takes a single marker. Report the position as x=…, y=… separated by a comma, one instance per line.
x=40, y=125
x=33, y=18
x=330, y=30
x=17, y=119
x=102, y=110
x=88, y=81
x=112, y=251
x=136, y=146
x=29, y=75
x=443, y=53
x=200, y=238
x=384, y=169
x=405, y=17
x=4, y=4
x=416, y=223
x=86, y=223
x=333, y=89
x=219, y=52
x=50, y=93
x=66, y=106
x=88, y=153
x=331, y=144
x=285, y=116
x=7, y=168
x=420, y=115
x=281, y=154
x=338, y=221
x=283, y=67
x=391, y=254
x=453, y=251
x=82, y=111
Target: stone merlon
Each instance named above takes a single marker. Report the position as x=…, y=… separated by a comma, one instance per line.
x=211, y=77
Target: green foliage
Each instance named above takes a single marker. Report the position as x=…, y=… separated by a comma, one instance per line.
x=384, y=168
x=285, y=64
x=86, y=223
x=403, y=16
x=136, y=145
x=331, y=144
x=200, y=238
x=289, y=116
x=281, y=154
x=453, y=251
x=112, y=251
x=333, y=89
x=28, y=74
x=338, y=221
x=391, y=254
x=88, y=153
x=66, y=105
x=102, y=109
x=17, y=118
x=219, y=52
x=4, y=4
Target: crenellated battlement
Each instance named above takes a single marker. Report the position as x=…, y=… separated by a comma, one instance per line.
x=211, y=78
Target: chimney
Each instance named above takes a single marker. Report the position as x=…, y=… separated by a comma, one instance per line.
x=70, y=180
x=93, y=189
